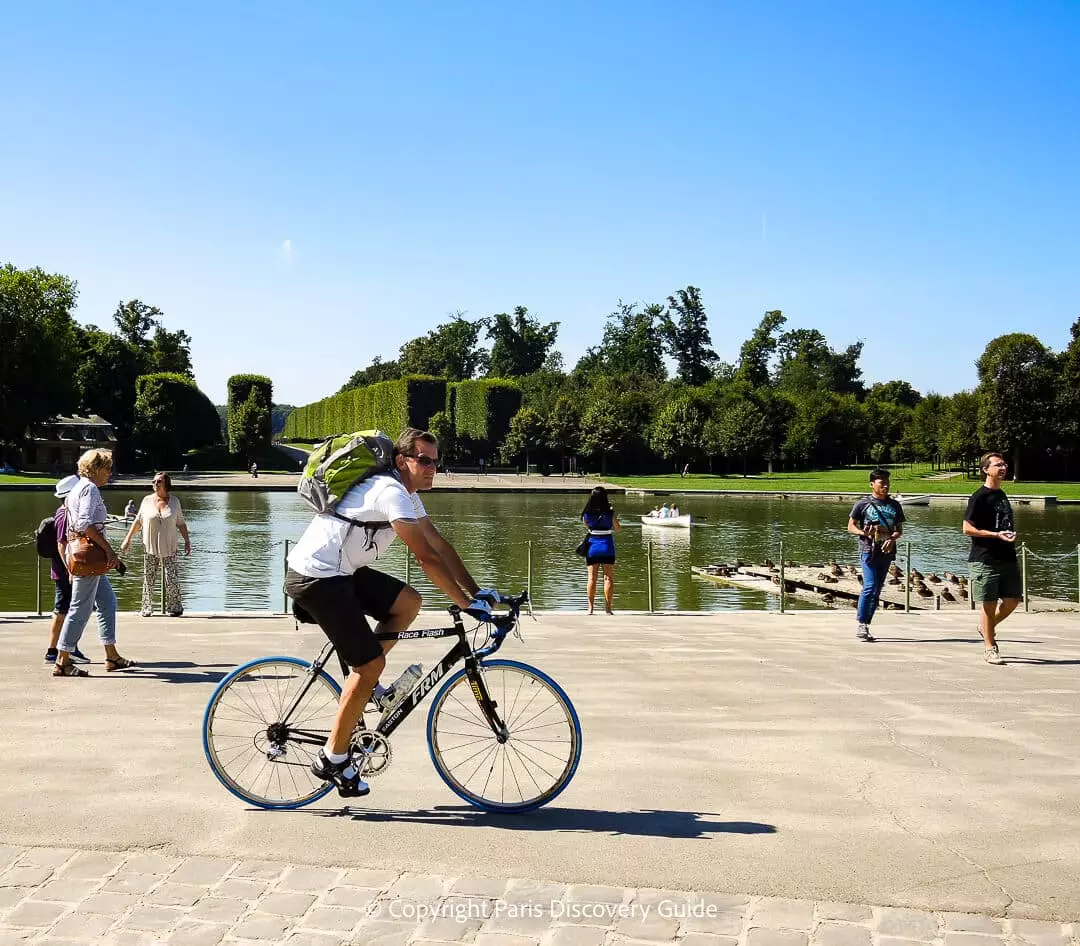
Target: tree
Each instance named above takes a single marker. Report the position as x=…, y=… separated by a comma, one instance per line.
x=443, y=429
x=758, y=350
x=605, y=428
x=688, y=339
x=1017, y=374
x=38, y=349
x=134, y=319
x=922, y=435
x=743, y=432
x=676, y=431
x=633, y=343
x=563, y=425
x=377, y=371
x=958, y=428
x=807, y=364
x=894, y=392
x=448, y=351
x=520, y=345
x=527, y=432
x=1067, y=412
x=250, y=399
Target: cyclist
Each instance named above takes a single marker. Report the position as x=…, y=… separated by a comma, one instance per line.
x=331, y=578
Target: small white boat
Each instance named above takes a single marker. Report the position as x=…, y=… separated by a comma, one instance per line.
x=920, y=499
x=669, y=522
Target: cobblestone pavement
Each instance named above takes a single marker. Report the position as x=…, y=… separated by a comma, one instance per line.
x=62, y=895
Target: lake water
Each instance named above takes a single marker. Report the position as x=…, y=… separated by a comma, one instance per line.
x=239, y=543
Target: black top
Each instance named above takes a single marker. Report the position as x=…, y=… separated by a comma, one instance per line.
x=991, y=510
x=886, y=514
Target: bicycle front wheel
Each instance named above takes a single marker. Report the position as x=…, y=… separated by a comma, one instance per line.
x=256, y=753
x=528, y=770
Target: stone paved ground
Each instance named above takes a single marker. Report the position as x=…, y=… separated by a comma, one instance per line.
x=62, y=895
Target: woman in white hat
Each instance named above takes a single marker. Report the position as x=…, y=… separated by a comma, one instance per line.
x=59, y=574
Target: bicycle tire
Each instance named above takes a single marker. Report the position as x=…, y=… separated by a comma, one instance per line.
x=225, y=747
x=512, y=757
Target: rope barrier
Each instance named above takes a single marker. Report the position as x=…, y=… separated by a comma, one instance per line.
x=1047, y=557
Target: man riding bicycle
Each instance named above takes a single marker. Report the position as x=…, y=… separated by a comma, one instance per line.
x=329, y=576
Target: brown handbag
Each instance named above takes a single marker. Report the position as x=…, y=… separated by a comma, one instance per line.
x=83, y=557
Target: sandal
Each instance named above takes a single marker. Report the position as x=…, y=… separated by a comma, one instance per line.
x=68, y=670
x=120, y=663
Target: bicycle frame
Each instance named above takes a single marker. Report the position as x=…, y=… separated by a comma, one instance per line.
x=460, y=651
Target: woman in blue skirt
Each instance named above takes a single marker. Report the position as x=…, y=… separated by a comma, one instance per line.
x=602, y=523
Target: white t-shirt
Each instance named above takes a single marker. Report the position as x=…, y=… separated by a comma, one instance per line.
x=331, y=547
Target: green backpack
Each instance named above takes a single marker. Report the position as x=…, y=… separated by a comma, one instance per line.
x=338, y=464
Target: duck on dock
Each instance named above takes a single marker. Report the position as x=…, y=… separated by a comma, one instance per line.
x=923, y=592
x=914, y=573
x=768, y=563
x=933, y=579
x=828, y=597
x=951, y=578
x=893, y=581
x=947, y=595
x=835, y=570
x=895, y=571
x=963, y=593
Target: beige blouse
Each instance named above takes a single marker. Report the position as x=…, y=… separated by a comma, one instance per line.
x=159, y=527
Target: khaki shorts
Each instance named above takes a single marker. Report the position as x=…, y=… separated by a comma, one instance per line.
x=996, y=581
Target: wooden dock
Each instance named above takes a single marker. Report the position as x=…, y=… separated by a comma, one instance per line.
x=840, y=585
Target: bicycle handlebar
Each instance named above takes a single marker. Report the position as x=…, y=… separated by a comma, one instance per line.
x=503, y=623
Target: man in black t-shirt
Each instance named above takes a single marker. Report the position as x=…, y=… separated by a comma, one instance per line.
x=995, y=577
x=878, y=521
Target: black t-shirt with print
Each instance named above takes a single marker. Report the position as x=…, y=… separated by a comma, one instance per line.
x=884, y=513
x=991, y=510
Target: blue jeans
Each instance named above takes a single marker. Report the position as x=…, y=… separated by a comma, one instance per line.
x=874, y=570
x=86, y=594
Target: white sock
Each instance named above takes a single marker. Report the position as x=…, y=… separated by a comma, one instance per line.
x=335, y=757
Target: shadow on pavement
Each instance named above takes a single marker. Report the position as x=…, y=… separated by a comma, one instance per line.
x=949, y=640
x=660, y=824
x=1038, y=660
x=168, y=671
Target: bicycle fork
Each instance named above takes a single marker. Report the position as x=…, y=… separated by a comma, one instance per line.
x=490, y=709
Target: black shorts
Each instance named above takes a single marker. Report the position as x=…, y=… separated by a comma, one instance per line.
x=600, y=559
x=62, y=597
x=341, y=606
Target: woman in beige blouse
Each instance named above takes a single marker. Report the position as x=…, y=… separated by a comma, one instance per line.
x=160, y=518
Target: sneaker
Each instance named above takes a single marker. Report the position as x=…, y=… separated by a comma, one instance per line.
x=79, y=657
x=864, y=633
x=343, y=774
x=50, y=655
x=992, y=655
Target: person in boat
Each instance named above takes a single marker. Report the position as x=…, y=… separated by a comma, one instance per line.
x=602, y=522
x=664, y=511
x=674, y=512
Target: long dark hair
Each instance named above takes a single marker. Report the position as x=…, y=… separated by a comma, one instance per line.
x=598, y=504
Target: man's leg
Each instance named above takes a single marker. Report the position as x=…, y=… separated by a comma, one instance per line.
x=354, y=697
x=987, y=615
x=878, y=569
x=864, y=612
x=1005, y=607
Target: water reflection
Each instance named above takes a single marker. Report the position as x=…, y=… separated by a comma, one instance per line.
x=239, y=543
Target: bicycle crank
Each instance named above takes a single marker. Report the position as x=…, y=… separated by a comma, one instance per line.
x=376, y=752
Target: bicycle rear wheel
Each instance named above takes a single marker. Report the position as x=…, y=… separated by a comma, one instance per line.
x=533, y=766
x=255, y=753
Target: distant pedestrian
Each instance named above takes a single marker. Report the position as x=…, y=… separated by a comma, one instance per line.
x=481, y=464
x=878, y=521
x=129, y=509
x=86, y=516
x=686, y=470
x=160, y=518
x=995, y=577
x=602, y=522
x=254, y=470
x=185, y=471
x=59, y=574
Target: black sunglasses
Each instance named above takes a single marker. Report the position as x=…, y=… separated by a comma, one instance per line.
x=422, y=459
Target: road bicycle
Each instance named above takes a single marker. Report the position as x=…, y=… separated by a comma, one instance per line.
x=502, y=735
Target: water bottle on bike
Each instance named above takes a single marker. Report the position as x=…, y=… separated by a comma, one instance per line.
x=393, y=694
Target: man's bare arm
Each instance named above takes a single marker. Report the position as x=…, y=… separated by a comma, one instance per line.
x=449, y=555
x=431, y=561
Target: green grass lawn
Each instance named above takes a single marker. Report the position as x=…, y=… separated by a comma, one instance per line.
x=842, y=481
x=21, y=479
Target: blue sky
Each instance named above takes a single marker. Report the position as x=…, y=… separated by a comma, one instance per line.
x=303, y=189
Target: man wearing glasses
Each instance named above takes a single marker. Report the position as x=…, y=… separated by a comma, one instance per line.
x=331, y=578
x=995, y=578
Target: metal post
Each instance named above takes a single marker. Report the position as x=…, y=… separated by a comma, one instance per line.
x=1023, y=573
x=528, y=574
x=907, y=582
x=648, y=559
x=284, y=595
x=781, y=576
x=37, y=575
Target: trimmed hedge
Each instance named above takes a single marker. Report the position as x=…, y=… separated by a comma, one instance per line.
x=172, y=415
x=390, y=406
x=241, y=388
x=481, y=411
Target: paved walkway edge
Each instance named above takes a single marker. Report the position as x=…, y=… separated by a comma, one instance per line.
x=140, y=898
